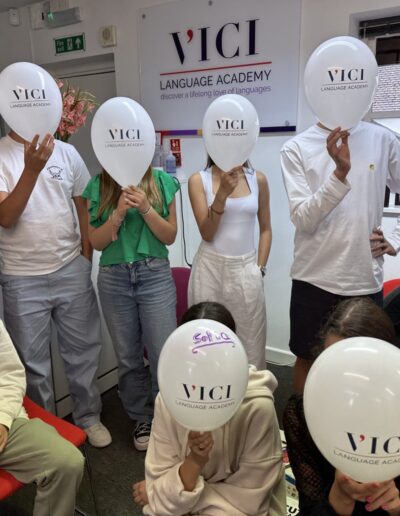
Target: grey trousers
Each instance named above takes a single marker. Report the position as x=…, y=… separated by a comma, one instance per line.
x=35, y=452
x=67, y=297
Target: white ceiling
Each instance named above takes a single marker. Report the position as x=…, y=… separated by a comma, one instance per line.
x=7, y=4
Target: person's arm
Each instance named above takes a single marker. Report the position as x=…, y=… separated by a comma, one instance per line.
x=308, y=209
x=313, y=479
x=82, y=212
x=256, y=486
x=163, y=229
x=264, y=220
x=12, y=384
x=12, y=204
x=165, y=490
x=208, y=217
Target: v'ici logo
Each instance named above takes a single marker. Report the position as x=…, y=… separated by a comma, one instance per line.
x=204, y=393
x=121, y=134
x=205, y=39
x=372, y=445
x=227, y=124
x=341, y=75
x=27, y=94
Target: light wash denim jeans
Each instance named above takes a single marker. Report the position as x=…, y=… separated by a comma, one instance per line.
x=67, y=298
x=139, y=305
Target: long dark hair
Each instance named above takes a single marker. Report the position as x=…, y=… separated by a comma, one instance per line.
x=209, y=310
x=359, y=317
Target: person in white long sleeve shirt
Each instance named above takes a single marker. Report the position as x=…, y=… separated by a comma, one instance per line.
x=335, y=182
x=30, y=449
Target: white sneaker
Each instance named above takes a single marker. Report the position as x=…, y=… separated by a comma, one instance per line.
x=141, y=435
x=98, y=435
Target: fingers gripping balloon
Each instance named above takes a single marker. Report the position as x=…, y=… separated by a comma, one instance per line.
x=202, y=374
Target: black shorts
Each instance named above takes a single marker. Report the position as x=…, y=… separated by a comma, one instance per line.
x=310, y=307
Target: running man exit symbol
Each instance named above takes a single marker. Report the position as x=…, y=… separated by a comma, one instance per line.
x=74, y=43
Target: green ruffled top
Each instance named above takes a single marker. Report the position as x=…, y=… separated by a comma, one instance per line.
x=135, y=239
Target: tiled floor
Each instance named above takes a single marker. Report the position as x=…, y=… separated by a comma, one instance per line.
x=116, y=467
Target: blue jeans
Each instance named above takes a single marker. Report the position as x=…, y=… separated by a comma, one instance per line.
x=67, y=297
x=139, y=306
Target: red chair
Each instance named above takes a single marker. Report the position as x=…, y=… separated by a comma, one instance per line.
x=181, y=277
x=70, y=432
x=390, y=285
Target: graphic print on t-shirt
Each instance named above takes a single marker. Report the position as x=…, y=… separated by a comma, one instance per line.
x=55, y=172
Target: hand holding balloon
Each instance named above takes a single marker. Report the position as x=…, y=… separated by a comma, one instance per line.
x=138, y=199
x=200, y=444
x=345, y=492
x=339, y=152
x=229, y=182
x=36, y=157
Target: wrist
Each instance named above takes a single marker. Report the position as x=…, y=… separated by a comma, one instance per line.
x=341, y=174
x=220, y=198
x=196, y=461
x=145, y=211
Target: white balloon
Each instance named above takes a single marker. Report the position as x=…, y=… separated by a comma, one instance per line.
x=351, y=404
x=202, y=374
x=340, y=79
x=30, y=100
x=230, y=130
x=123, y=139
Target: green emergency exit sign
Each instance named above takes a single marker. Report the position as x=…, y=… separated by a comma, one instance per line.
x=70, y=44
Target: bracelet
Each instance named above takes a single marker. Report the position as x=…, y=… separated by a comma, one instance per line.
x=263, y=270
x=215, y=211
x=142, y=213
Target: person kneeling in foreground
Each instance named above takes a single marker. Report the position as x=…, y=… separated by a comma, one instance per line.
x=236, y=469
x=324, y=491
x=30, y=449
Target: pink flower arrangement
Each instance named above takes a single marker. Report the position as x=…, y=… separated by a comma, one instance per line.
x=77, y=104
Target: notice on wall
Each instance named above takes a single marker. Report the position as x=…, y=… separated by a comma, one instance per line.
x=192, y=51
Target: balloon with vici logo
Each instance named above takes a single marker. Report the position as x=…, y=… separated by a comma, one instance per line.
x=339, y=80
x=230, y=130
x=202, y=374
x=123, y=139
x=30, y=100
x=351, y=405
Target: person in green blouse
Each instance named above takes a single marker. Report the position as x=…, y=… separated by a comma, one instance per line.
x=132, y=228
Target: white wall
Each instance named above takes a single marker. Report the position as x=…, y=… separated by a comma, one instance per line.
x=321, y=19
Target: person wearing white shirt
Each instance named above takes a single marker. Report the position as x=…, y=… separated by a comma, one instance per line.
x=335, y=182
x=46, y=272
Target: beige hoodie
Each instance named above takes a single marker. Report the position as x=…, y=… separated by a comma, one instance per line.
x=244, y=474
x=12, y=381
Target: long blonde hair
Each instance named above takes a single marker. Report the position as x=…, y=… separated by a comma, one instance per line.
x=110, y=191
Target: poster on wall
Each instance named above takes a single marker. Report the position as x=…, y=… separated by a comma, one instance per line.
x=192, y=51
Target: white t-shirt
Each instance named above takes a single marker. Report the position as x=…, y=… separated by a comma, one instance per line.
x=46, y=236
x=334, y=220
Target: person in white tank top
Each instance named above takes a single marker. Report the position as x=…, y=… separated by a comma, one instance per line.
x=228, y=268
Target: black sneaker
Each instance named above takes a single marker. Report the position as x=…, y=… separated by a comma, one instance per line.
x=141, y=435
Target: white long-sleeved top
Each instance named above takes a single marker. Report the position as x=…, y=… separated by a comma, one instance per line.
x=12, y=381
x=334, y=220
x=244, y=474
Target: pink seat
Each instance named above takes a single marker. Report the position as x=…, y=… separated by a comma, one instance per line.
x=181, y=277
